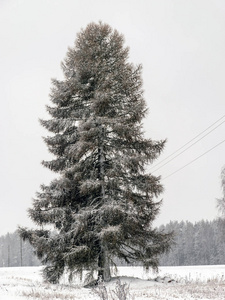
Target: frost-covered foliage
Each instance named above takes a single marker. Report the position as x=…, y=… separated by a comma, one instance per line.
x=221, y=201
x=103, y=204
x=120, y=292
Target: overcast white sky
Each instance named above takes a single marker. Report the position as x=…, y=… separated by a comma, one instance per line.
x=181, y=45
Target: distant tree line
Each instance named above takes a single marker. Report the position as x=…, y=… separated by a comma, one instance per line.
x=202, y=243
x=14, y=252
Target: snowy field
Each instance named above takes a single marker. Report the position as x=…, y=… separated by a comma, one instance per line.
x=193, y=282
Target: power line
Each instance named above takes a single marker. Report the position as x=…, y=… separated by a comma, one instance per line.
x=187, y=147
x=194, y=159
x=159, y=163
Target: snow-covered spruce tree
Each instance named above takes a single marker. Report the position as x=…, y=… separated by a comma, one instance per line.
x=102, y=203
x=221, y=201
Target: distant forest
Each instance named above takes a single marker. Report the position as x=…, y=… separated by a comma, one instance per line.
x=14, y=252
x=202, y=243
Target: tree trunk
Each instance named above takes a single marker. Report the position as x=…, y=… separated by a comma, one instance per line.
x=103, y=266
x=103, y=259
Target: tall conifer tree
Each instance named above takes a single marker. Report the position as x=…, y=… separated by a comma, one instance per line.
x=221, y=201
x=102, y=204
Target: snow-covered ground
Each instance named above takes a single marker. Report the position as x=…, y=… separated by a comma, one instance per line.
x=193, y=282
